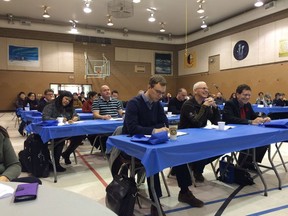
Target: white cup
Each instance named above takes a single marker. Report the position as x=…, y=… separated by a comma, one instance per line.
x=27, y=108
x=221, y=125
x=169, y=114
x=60, y=120
x=173, y=131
x=165, y=109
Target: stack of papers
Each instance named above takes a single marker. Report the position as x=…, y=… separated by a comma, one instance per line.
x=5, y=191
x=226, y=127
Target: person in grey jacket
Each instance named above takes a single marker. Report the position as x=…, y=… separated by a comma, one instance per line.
x=62, y=106
x=10, y=167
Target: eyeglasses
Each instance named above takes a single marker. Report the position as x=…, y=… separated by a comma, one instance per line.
x=204, y=88
x=158, y=91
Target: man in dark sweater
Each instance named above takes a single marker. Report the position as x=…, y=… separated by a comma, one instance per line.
x=176, y=103
x=48, y=97
x=145, y=115
x=195, y=113
x=239, y=111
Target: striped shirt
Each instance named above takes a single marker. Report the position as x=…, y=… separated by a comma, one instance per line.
x=110, y=107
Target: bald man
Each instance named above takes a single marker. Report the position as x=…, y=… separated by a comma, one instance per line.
x=106, y=107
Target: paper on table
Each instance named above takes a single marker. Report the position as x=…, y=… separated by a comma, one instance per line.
x=116, y=119
x=179, y=133
x=226, y=127
x=5, y=191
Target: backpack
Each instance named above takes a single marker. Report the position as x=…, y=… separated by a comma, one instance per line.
x=35, y=157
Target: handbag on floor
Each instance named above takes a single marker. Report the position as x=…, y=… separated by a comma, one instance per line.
x=121, y=195
x=229, y=173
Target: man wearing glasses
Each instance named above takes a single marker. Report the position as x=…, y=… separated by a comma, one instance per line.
x=239, y=111
x=145, y=115
x=195, y=113
x=48, y=97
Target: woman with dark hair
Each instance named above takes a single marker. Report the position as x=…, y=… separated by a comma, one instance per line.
x=62, y=106
x=87, y=105
x=20, y=101
x=10, y=167
x=32, y=101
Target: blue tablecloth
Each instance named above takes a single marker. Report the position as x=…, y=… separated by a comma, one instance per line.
x=76, y=129
x=78, y=110
x=273, y=109
x=27, y=115
x=85, y=116
x=198, y=144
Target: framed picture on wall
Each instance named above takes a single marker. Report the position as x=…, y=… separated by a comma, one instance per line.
x=23, y=56
x=163, y=63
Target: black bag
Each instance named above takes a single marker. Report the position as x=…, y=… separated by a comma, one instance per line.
x=121, y=195
x=229, y=173
x=35, y=157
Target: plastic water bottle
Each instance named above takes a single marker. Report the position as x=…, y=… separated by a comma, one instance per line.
x=28, y=107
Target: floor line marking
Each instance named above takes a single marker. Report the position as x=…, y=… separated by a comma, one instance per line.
x=92, y=169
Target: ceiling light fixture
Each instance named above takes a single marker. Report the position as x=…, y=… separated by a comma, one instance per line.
x=10, y=18
x=125, y=32
x=162, y=29
x=200, y=9
x=87, y=8
x=45, y=13
x=73, y=28
x=110, y=23
x=203, y=25
x=151, y=18
x=259, y=3
x=136, y=1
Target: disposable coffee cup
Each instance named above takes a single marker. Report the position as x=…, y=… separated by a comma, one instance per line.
x=27, y=108
x=165, y=109
x=169, y=114
x=221, y=125
x=60, y=120
x=173, y=131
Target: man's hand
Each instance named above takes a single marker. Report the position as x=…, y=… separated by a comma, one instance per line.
x=157, y=130
x=209, y=102
x=106, y=117
x=4, y=179
x=260, y=120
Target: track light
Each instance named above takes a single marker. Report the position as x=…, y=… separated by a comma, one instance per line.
x=259, y=3
x=110, y=23
x=203, y=25
x=151, y=18
x=200, y=9
x=136, y=1
x=87, y=8
x=45, y=14
x=162, y=29
x=73, y=28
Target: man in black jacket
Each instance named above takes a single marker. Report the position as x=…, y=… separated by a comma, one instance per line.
x=176, y=103
x=239, y=111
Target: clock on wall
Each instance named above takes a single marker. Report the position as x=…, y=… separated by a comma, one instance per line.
x=241, y=50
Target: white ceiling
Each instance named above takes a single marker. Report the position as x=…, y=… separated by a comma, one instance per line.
x=171, y=12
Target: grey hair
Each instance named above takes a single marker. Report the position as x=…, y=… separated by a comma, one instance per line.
x=197, y=84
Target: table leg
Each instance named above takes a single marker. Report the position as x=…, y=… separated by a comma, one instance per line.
x=53, y=160
x=274, y=169
x=259, y=172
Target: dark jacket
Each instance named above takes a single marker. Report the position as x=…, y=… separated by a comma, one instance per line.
x=175, y=105
x=194, y=115
x=139, y=119
x=231, y=112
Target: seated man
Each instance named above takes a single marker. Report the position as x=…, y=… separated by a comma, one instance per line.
x=48, y=97
x=176, y=103
x=219, y=100
x=239, y=111
x=145, y=115
x=195, y=113
x=106, y=108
